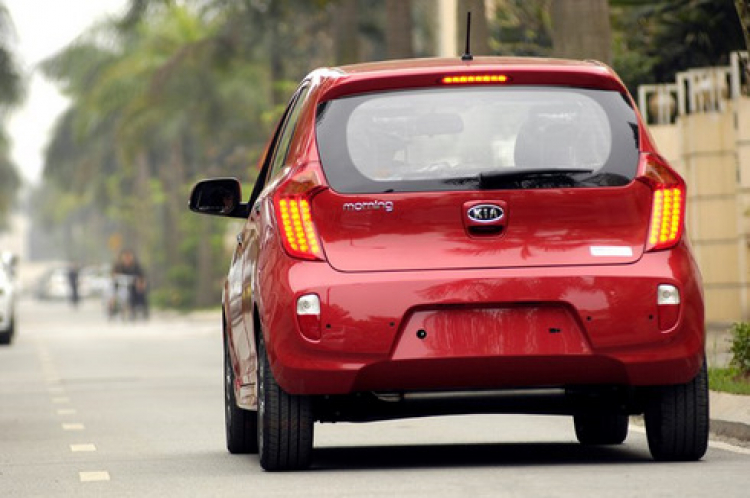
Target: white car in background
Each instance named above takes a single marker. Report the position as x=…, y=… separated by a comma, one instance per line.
x=53, y=284
x=7, y=305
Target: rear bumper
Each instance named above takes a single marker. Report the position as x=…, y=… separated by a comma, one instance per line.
x=485, y=329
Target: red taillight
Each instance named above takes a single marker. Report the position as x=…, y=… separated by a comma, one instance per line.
x=667, y=206
x=473, y=79
x=294, y=216
x=666, y=217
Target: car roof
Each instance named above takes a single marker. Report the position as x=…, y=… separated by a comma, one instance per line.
x=455, y=63
x=406, y=73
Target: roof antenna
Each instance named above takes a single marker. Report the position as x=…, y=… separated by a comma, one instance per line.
x=467, y=53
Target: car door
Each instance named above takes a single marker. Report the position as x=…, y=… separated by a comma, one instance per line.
x=250, y=239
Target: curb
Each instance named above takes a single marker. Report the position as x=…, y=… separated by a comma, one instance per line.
x=732, y=430
x=730, y=415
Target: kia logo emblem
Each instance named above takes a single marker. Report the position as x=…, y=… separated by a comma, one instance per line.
x=485, y=213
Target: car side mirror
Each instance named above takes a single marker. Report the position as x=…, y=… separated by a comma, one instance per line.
x=218, y=197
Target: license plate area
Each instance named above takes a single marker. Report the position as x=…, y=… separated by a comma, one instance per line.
x=538, y=330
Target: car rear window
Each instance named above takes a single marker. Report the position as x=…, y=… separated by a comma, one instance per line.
x=473, y=138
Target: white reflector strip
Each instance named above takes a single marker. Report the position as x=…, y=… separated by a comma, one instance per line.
x=611, y=251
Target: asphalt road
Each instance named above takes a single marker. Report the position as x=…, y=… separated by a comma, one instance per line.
x=96, y=408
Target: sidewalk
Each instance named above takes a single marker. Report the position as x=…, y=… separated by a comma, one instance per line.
x=730, y=413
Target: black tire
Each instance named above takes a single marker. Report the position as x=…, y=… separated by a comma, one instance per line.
x=677, y=421
x=285, y=423
x=594, y=428
x=241, y=425
x=6, y=336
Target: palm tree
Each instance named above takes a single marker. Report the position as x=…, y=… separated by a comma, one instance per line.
x=11, y=93
x=155, y=112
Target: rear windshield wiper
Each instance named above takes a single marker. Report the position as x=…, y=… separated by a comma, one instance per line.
x=488, y=178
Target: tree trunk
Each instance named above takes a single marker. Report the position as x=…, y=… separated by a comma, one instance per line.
x=204, y=291
x=743, y=12
x=398, y=29
x=276, y=57
x=346, y=32
x=581, y=29
x=143, y=208
x=173, y=181
x=480, y=43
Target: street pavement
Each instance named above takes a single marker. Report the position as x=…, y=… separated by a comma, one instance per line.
x=96, y=408
x=730, y=413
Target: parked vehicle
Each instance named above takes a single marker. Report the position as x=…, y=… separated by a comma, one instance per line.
x=436, y=237
x=7, y=306
x=53, y=284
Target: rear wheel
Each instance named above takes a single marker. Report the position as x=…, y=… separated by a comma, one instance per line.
x=285, y=422
x=677, y=420
x=241, y=425
x=601, y=427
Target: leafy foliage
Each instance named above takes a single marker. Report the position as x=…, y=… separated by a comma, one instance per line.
x=727, y=380
x=741, y=347
x=654, y=40
x=11, y=93
x=523, y=27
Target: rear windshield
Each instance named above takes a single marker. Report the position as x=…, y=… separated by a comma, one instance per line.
x=472, y=138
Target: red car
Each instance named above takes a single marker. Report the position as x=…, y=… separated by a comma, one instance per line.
x=434, y=237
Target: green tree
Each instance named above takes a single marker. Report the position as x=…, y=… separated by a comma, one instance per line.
x=11, y=93
x=660, y=38
x=521, y=28
x=162, y=109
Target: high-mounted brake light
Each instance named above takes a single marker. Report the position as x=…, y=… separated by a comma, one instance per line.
x=667, y=206
x=293, y=212
x=473, y=79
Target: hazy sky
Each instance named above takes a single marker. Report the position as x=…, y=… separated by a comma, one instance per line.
x=43, y=27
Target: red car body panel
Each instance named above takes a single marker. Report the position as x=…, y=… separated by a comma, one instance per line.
x=442, y=307
x=543, y=228
x=550, y=327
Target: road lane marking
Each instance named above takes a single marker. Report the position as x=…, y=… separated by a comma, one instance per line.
x=80, y=448
x=66, y=411
x=61, y=400
x=73, y=427
x=56, y=390
x=93, y=476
